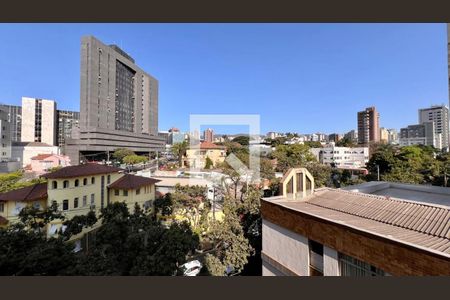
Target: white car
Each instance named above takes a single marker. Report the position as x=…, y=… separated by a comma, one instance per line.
x=191, y=268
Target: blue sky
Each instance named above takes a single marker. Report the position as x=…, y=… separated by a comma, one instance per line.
x=297, y=77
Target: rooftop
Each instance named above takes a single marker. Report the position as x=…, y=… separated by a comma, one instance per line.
x=82, y=170
x=129, y=182
x=418, y=224
x=427, y=194
x=209, y=145
x=29, y=193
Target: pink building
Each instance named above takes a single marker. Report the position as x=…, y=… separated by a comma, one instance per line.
x=42, y=162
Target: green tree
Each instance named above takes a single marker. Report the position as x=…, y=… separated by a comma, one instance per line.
x=292, y=156
x=179, y=150
x=231, y=247
x=134, y=159
x=120, y=153
x=243, y=140
x=209, y=163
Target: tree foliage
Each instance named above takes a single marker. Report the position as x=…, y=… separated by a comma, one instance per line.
x=121, y=153
x=179, y=150
x=134, y=159
x=292, y=156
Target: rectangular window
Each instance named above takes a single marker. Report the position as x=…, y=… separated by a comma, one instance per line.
x=125, y=192
x=75, y=203
x=92, y=199
x=350, y=266
x=2, y=207
x=315, y=258
x=116, y=192
x=84, y=200
x=138, y=191
x=65, y=204
x=109, y=179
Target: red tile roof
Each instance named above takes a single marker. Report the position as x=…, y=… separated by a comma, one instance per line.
x=3, y=221
x=130, y=182
x=82, y=170
x=29, y=193
x=41, y=156
x=209, y=145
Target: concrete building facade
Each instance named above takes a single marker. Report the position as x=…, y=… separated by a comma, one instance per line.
x=335, y=232
x=438, y=114
x=356, y=157
x=420, y=134
x=5, y=137
x=368, y=126
x=66, y=121
x=38, y=121
x=14, y=113
x=208, y=135
x=118, y=103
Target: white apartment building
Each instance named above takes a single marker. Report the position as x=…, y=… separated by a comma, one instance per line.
x=342, y=156
x=39, y=121
x=438, y=115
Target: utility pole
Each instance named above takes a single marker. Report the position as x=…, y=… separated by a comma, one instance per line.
x=214, y=203
x=378, y=172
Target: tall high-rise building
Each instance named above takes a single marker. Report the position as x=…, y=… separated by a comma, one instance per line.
x=5, y=136
x=368, y=126
x=14, y=113
x=118, y=104
x=384, y=135
x=38, y=121
x=438, y=114
x=66, y=121
x=208, y=135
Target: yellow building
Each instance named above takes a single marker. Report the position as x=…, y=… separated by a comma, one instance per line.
x=11, y=203
x=78, y=189
x=196, y=157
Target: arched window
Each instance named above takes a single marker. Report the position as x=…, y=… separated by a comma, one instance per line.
x=77, y=182
x=66, y=184
x=54, y=184
x=92, y=180
x=85, y=181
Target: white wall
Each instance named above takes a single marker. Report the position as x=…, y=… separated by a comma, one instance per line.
x=330, y=262
x=286, y=247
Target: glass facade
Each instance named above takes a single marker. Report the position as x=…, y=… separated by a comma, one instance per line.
x=38, y=121
x=124, y=97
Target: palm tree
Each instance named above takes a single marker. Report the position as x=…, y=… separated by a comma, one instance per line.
x=179, y=149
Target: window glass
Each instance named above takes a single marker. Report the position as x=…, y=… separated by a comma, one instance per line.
x=65, y=204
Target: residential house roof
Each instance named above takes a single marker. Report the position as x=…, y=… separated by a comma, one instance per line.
x=422, y=225
x=81, y=170
x=209, y=145
x=29, y=193
x=41, y=156
x=131, y=182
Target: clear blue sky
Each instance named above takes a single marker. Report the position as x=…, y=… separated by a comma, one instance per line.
x=298, y=77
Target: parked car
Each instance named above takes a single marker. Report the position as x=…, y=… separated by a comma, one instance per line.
x=191, y=268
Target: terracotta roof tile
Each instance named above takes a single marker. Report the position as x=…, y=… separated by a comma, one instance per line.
x=82, y=170
x=129, y=182
x=29, y=193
